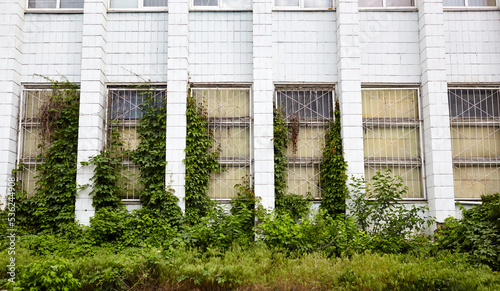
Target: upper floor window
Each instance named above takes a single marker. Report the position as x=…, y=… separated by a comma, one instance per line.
x=125, y=4
x=227, y=4
x=62, y=4
x=386, y=3
x=303, y=3
x=462, y=3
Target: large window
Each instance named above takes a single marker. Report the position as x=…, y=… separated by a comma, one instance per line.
x=223, y=4
x=303, y=3
x=62, y=4
x=391, y=136
x=474, y=3
x=307, y=112
x=125, y=4
x=31, y=144
x=386, y=3
x=475, y=138
x=124, y=114
x=229, y=114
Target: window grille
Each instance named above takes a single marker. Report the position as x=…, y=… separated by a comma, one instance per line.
x=124, y=114
x=308, y=110
x=229, y=119
x=475, y=138
x=391, y=136
x=30, y=141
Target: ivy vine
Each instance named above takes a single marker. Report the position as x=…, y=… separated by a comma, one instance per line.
x=53, y=205
x=333, y=177
x=200, y=160
x=294, y=205
x=106, y=191
x=151, y=158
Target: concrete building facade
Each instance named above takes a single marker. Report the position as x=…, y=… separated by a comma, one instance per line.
x=417, y=83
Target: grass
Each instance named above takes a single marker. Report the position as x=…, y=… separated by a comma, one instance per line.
x=260, y=268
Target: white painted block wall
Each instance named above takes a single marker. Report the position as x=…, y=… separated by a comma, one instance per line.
x=390, y=51
x=136, y=44
x=304, y=47
x=472, y=46
x=220, y=47
x=52, y=47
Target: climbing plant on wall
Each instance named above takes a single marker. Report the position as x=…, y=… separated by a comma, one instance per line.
x=106, y=191
x=294, y=205
x=150, y=156
x=333, y=169
x=200, y=160
x=53, y=205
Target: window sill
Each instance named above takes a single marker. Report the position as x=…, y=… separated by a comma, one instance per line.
x=218, y=9
x=301, y=9
x=388, y=9
x=137, y=10
x=53, y=11
x=464, y=8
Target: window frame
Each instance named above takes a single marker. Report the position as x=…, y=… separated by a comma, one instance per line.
x=128, y=123
x=140, y=7
x=391, y=8
x=56, y=9
x=219, y=7
x=301, y=161
x=301, y=7
x=420, y=160
x=455, y=121
x=467, y=7
x=245, y=121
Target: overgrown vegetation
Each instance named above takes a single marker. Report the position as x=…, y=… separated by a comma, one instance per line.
x=290, y=204
x=477, y=233
x=200, y=161
x=53, y=206
x=391, y=225
x=150, y=156
x=333, y=178
x=106, y=191
x=380, y=245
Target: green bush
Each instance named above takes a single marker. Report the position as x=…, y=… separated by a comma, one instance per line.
x=477, y=233
x=319, y=232
x=53, y=274
x=377, y=210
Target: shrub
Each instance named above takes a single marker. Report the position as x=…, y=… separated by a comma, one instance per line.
x=53, y=274
x=378, y=212
x=320, y=232
x=477, y=233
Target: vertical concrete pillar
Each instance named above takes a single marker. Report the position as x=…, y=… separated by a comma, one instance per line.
x=435, y=111
x=11, y=42
x=177, y=78
x=263, y=90
x=349, y=85
x=91, y=131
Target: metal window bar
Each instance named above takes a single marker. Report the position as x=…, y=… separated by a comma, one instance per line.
x=392, y=136
x=309, y=109
x=124, y=113
x=475, y=137
x=229, y=114
x=30, y=145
